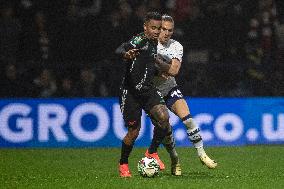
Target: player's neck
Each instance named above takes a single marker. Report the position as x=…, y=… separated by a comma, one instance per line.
x=164, y=43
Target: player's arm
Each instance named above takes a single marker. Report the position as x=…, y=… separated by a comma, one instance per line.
x=127, y=51
x=171, y=68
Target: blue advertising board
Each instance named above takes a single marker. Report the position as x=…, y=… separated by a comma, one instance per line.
x=97, y=122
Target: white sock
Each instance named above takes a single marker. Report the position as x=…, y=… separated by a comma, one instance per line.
x=200, y=151
x=194, y=136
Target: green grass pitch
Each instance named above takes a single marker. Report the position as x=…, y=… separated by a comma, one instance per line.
x=238, y=167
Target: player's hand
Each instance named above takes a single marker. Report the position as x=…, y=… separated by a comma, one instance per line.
x=158, y=60
x=131, y=54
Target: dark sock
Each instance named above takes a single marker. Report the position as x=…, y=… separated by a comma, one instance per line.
x=159, y=135
x=125, y=152
x=169, y=143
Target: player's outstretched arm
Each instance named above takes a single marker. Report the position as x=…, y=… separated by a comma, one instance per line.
x=121, y=50
x=125, y=51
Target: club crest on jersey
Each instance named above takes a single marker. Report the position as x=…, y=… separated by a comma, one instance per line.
x=136, y=41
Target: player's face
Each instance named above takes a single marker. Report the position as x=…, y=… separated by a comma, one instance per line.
x=152, y=29
x=166, y=31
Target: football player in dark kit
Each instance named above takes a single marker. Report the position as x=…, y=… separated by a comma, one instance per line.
x=138, y=91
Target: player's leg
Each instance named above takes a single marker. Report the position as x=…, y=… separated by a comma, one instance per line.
x=169, y=144
x=154, y=105
x=131, y=112
x=159, y=115
x=180, y=108
x=169, y=141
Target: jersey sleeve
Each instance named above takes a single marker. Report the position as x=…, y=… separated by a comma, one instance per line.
x=122, y=49
x=176, y=51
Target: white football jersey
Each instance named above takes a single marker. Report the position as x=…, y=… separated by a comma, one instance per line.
x=173, y=49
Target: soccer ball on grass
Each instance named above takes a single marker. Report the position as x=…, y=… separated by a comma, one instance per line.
x=148, y=167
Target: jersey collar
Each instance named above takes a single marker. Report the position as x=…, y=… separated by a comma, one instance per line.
x=165, y=45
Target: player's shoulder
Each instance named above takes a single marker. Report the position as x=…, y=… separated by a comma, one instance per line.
x=175, y=43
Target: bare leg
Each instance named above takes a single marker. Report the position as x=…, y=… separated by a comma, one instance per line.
x=180, y=108
x=128, y=142
x=160, y=116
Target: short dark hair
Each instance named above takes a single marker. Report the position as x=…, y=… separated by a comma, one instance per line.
x=152, y=16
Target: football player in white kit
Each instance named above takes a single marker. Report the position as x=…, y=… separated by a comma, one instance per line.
x=169, y=60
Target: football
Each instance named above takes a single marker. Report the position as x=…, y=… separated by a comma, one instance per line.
x=148, y=167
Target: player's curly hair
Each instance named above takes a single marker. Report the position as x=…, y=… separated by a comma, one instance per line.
x=152, y=16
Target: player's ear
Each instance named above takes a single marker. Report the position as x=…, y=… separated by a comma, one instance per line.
x=145, y=26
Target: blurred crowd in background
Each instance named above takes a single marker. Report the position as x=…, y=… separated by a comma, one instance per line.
x=65, y=48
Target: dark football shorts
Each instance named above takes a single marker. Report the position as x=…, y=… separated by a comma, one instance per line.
x=132, y=103
x=173, y=95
